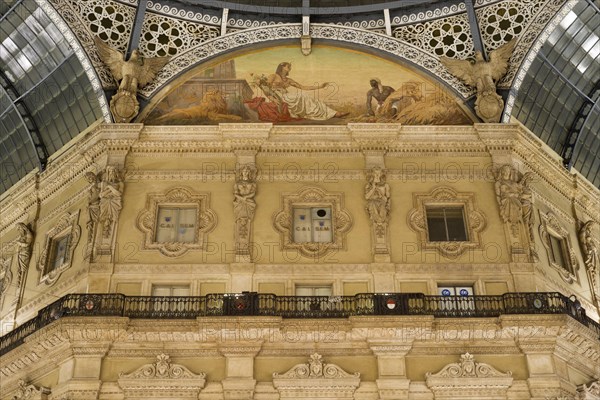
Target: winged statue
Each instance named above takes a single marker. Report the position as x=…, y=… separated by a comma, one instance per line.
x=483, y=75
x=134, y=73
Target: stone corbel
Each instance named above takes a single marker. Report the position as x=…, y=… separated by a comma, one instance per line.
x=589, y=392
x=27, y=391
x=468, y=379
x=316, y=379
x=162, y=379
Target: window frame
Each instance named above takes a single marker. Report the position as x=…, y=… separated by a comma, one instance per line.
x=446, y=197
x=312, y=208
x=178, y=197
x=429, y=208
x=67, y=226
x=312, y=197
x=550, y=228
x=178, y=207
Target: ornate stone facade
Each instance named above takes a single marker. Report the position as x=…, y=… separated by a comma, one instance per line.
x=89, y=340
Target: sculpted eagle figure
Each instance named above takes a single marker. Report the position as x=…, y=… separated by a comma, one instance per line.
x=483, y=75
x=134, y=73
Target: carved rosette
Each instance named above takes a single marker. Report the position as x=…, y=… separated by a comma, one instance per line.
x=550, y=226
x=316, y=379
x=162, y=379
x=312, y=197
x=66, y=226
x=147, y=220
x=468, y=379
x=444, y=196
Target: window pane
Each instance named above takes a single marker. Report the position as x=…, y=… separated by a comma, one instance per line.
x=302, y=225
x=166, y=227
x=161, y=291
x=181, y=291
x=176, y=225
x=556, y=246
x=58, y=252
x=313, y=225
x=446, y=224
x=456, y=224
x=321, y=220
x=187, y=225
x=436, y=226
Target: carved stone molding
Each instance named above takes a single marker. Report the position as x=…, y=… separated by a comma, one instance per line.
x=468, y=379
x=589, y=392
x=162, y=379
x=30, y=392
x=551, y=227
x=316, y=379
x=205, y=222
x=66, y=227
x=341, y=220
x=440, y=197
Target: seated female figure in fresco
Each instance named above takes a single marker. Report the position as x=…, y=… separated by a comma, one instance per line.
x=287, y=104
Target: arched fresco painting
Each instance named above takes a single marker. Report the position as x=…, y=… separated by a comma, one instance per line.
x=331, y=86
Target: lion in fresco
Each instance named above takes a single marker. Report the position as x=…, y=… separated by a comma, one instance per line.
x=212, y=107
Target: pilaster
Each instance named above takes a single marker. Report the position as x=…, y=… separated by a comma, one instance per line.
x=239, y=382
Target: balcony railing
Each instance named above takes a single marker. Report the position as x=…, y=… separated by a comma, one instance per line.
x=259, y=304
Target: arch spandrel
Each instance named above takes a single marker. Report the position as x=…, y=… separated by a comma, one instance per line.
x=332, y=88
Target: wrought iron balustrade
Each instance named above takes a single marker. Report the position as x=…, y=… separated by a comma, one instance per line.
x=260, y=304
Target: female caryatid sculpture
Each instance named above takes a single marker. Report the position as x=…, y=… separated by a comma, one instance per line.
x=377, y=194
x=590, y=254
x=244, y=207
x=515, y=200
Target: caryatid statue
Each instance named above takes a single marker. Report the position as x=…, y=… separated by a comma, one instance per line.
x=483, y=75
x=244, y=206
x=377, y=195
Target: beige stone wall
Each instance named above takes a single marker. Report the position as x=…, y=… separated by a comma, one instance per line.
x=392, y=354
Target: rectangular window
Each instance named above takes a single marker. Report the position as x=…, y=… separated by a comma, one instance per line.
x=170, y=290
x=314, y=290
x=446, y=224
x=558, y=251
x=456, y=298
x=313, y=225
x=176, y=225
x=59, y=253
